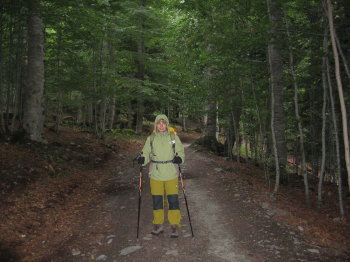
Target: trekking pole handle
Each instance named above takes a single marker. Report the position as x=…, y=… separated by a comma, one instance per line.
x=181, y=178
x=179, y=165
x=136, y=157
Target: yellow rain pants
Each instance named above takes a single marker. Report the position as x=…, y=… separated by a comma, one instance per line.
x=170, y=188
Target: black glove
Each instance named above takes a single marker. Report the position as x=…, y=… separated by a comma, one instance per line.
x=141, y=160
x=177, y=160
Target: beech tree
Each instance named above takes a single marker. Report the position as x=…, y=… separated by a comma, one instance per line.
x=33, y=113
x=254, y=78
x=276, y=71
x=340, y=89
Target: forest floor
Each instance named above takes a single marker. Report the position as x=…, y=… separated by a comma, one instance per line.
x=75, y=199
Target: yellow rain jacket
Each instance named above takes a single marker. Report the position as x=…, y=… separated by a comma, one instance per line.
x=159, y=148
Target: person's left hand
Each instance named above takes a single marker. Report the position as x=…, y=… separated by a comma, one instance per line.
x=141, y=160
x=177, y=160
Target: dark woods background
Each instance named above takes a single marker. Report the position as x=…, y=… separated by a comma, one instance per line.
x=260, y=76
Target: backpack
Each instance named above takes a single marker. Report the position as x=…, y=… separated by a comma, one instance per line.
x=172, y=137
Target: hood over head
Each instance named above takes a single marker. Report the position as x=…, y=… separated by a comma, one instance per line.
x=158, y=118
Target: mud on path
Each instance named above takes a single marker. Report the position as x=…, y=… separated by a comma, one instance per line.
x=232, y=221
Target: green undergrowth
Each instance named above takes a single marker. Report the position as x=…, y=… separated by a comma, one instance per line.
x=123, y=135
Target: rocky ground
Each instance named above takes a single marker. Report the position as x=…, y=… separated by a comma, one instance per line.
x=82, y=206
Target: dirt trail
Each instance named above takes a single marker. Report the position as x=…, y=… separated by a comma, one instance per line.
x=228, y=222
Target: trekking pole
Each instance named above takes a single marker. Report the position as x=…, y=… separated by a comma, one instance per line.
x=140, y=191
x=139, y=209
x=184, y=193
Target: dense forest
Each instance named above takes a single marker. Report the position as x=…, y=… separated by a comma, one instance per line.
x=268, y=80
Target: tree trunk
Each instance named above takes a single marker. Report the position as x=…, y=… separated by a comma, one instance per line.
x=80, y=114
x=261, y=133
x=237, y=138
x=96, y=120
x=345, y=62
x=340, y=90
x=20, y=69
x=140, y=71
x=10, y=81
x=103, y=114
x=139, y=116
x=274, y=145
x=276, y=71
x=59, y=93
x=183, y=122
x=230, y=136
x=112, y=112
x=2, y=122
x=298, y=118
x=335, y=126
x=210, y=120
x=324, y=120
x=245, y=140
x=130, y=114
x=59, y=110
x=90, y=114
x=33, y=118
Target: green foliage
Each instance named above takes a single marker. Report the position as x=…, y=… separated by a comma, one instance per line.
x=127, y=132
x=192, y=53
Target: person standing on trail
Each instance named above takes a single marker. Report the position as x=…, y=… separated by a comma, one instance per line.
x=164, y=149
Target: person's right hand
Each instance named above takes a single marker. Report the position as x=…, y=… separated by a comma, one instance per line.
x=141, y=160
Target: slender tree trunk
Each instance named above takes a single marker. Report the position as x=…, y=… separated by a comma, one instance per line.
x=59, y=111
x=105, y=57
x=340, y=90
x=80, y=115
x=90, y=114
x=103, y=114
x=33, y=119
x=24, y=77
x=335, y=126
x=168, y=111
x=204, y=120
x=324, y=119
x=274, y=145
x=140, y=71
x=230, y=135
x=112, y=112
x=245, y=140
x=210, y=122
x=183, y=122
x=345, y=62
x=2, y=122
x=217, y=127
x=261, y=133
x=17, y=111
x=139, y=116
x=130, y=114
x=96, y=121
x=300, y=128
x=237, y=138
x=276, y=71
x=10, y=82
x=95, y=107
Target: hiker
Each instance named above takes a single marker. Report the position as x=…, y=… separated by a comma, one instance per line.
x=164, y=149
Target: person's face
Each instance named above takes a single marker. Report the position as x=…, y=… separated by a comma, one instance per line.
x=161, y=126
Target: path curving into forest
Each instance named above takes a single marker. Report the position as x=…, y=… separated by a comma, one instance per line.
x=229, y=222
